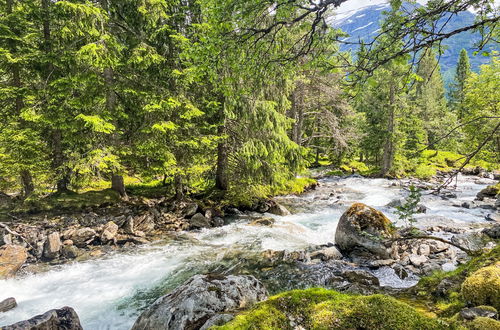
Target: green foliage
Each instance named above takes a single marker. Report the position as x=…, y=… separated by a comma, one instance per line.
x=325, y=309
x=408, y=209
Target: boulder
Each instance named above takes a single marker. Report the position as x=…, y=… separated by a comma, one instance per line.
x=473, y=240
x=70, y=251
x=278, y=209
x=493, y=232
x=144, y=222
x=12, y=257
x=199, y=221
x=52, y=246
x=199, y=299
x=60, y=319
x=109, y=232
x=328, y=253
x=81, y=237
x=189, y=209
x=264, y=221
x=363, y=228
x=481, y=311
x=489, y=192
x=7, y=304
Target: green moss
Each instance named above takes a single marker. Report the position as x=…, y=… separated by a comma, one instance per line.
x=483, y=287
x=428, y=288
x=483, y=323
x=68, y=201
x=326, y=309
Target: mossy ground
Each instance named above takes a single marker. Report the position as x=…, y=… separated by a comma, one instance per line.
x=325, y=309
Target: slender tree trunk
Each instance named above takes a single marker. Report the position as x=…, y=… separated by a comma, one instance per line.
x=221, y=175
x=27, y=182
x=63, y=174
x=118, y=185
x=179, y=187
x=297, y=114
x=388, y=156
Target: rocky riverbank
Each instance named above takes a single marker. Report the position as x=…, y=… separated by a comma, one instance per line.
x=279, y=251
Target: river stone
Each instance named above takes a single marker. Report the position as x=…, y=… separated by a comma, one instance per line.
x=418, y=260
x=189, y=209
x=201, y=297
x=60, y=319
x=109, y=232
x=472, y=313
x=52, y=246
x=363, y=228
x=278, y=209
x=70, y=251
x=7, y=304
x=144, y=222
x=81, y=237
x=12, y=257
x=328, y=253
x=264, y=221
x=199, y=221
x=493, y=232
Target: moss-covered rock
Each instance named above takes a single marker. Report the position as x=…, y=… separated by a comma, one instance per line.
x=326, y=309
x=483, y=287
x=363, y=227
x=483, y=323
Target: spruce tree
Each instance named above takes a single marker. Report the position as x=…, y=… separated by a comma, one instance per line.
x=462, y=72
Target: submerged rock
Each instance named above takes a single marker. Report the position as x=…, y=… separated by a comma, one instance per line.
x=278, y=209
x=198, y=300
x=7, y=304
x=363, y=228
x=60, y=319
x=12, y=257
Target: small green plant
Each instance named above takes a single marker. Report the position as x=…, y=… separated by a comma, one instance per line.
x=406, y=211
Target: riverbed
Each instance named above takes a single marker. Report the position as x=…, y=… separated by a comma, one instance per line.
x=108, y=293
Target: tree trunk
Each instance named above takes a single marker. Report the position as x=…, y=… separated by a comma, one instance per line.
x=63, y=175
x=179, y=187
x=118, y=185
x=27, y=182
x=388, y=156
x=221, y=175
x=297, y=113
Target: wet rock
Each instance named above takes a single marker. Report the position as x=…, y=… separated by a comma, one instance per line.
x=363, y=227
x=199, y=299
x=400, y=201
x=472, y=313
x=400, y=271
x=189, y=209
x=488, y=192
x=329, y=253
x=52, y=246
x=264, y=221
x=278, y=209
x=70, y=251
x=144, y=222
x=60, y=319
x=109, y=232
x=472, y=241
x=12, y=257
x=218, y=222
x=493, y=232
x=360, y=277
x=7, y=304
x=418, y=260
x=81, y=237
x=199, y=221
x=128, y=226
x=493, y=217
x=424, y=250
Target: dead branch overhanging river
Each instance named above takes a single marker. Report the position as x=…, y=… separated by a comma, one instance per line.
x=108, y=293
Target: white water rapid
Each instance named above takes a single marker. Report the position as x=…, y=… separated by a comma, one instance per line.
x=108, y=293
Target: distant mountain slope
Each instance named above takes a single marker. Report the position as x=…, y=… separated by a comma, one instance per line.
x=364, y=25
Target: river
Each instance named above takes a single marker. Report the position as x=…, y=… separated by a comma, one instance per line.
x=109, y=292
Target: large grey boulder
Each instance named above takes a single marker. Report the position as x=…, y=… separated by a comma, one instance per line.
x=198, y=300
x=60, y=319
x=7, y=304
x=363, y=229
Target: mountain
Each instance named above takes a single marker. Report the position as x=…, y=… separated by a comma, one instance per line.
x=364, y=25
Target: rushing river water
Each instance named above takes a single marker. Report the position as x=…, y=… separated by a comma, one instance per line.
x=109, y=292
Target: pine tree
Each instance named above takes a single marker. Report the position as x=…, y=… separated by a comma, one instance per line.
x=457, y=94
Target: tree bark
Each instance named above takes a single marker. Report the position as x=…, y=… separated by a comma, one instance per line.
x=27, y=182
x=179, y=187
x=118, y=185
x=221, y=175
x=388, y=156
